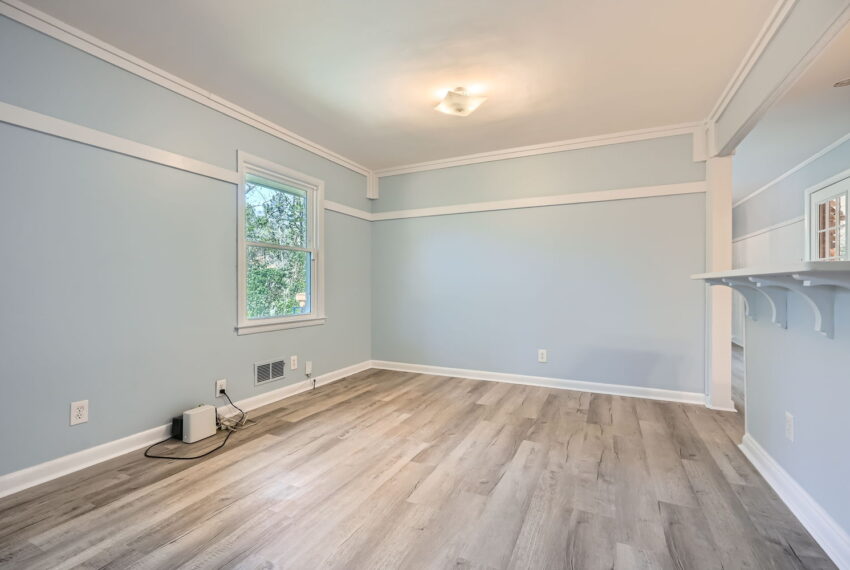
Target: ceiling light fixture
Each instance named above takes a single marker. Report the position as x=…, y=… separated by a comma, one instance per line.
x=458, y=101
x=843, y=83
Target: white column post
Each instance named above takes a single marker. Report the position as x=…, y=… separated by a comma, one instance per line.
x=719, y=299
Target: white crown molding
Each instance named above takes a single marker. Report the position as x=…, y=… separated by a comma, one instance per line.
x=43, y=472
x=578, y=385
x=46, y=24
x=35, y=19
x=542, y=201
x=59, y=30
x=819, y=154
x=545, y=148
x=46, y=124
x=797, y=220
x=824, y=529
x=771, y=26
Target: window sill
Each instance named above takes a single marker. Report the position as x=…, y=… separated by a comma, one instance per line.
x=291, y=324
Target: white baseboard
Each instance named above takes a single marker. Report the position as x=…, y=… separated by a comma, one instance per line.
x=271, y=396
x=832, y=538
x=710, y=406
x=595, y=387
x=43, y=472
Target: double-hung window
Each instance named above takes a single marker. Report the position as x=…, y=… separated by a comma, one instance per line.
x=280, y=247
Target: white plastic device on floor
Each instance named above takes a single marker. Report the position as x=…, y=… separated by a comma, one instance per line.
x=198, y=423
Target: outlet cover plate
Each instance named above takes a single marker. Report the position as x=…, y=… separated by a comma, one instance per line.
x=79, y=412
x=219, y=386
x=542, y=355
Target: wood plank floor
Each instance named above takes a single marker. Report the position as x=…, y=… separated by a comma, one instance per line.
x=396, y=470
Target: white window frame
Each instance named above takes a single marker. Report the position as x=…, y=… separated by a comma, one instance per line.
x=835, y=186
x=315, y=188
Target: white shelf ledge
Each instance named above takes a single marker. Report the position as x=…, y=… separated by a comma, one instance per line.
x=815, y=281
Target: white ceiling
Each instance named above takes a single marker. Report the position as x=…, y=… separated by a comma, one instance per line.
x=361, y=77
x=812, y=115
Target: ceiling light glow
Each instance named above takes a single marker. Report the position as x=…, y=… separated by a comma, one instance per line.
x=459, y=102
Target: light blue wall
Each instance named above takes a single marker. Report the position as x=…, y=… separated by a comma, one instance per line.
x=800, y=371
x=118, y=281
x=643, y=163
x=785, y=200
x=603, y=286
x=802, y=29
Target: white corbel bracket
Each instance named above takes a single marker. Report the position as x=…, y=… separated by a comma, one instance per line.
x=819, y=297
x=747, y=291
x=776, y=298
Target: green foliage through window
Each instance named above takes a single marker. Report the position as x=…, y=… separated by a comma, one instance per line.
x=278, y=278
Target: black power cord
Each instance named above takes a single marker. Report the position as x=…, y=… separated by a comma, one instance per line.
x=229, y=433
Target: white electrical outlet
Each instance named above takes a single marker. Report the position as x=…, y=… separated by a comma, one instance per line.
x=220, y=386
x=542, y=355
x=293, y=362
x=79, y=412
x=308, y=367
x=789, y=427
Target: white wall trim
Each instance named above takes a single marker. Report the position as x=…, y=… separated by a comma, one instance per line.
x=824, y=529
x=348, y=210
x=819, y=154
x=46, y=124
x=540, y=201
x=43, y=472
x=545, y=148
x=797, y=220
x=771, y=26
x=57, y=29
x=578, y=385
x=786, y=83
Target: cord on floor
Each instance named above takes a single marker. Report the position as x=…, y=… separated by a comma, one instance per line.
x=228, y=424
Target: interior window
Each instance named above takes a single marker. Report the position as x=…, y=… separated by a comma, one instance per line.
x=827, y=219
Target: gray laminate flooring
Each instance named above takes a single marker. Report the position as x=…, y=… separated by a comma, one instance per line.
x=398, y=470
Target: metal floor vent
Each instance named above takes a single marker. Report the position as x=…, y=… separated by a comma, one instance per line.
x=268, y=371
